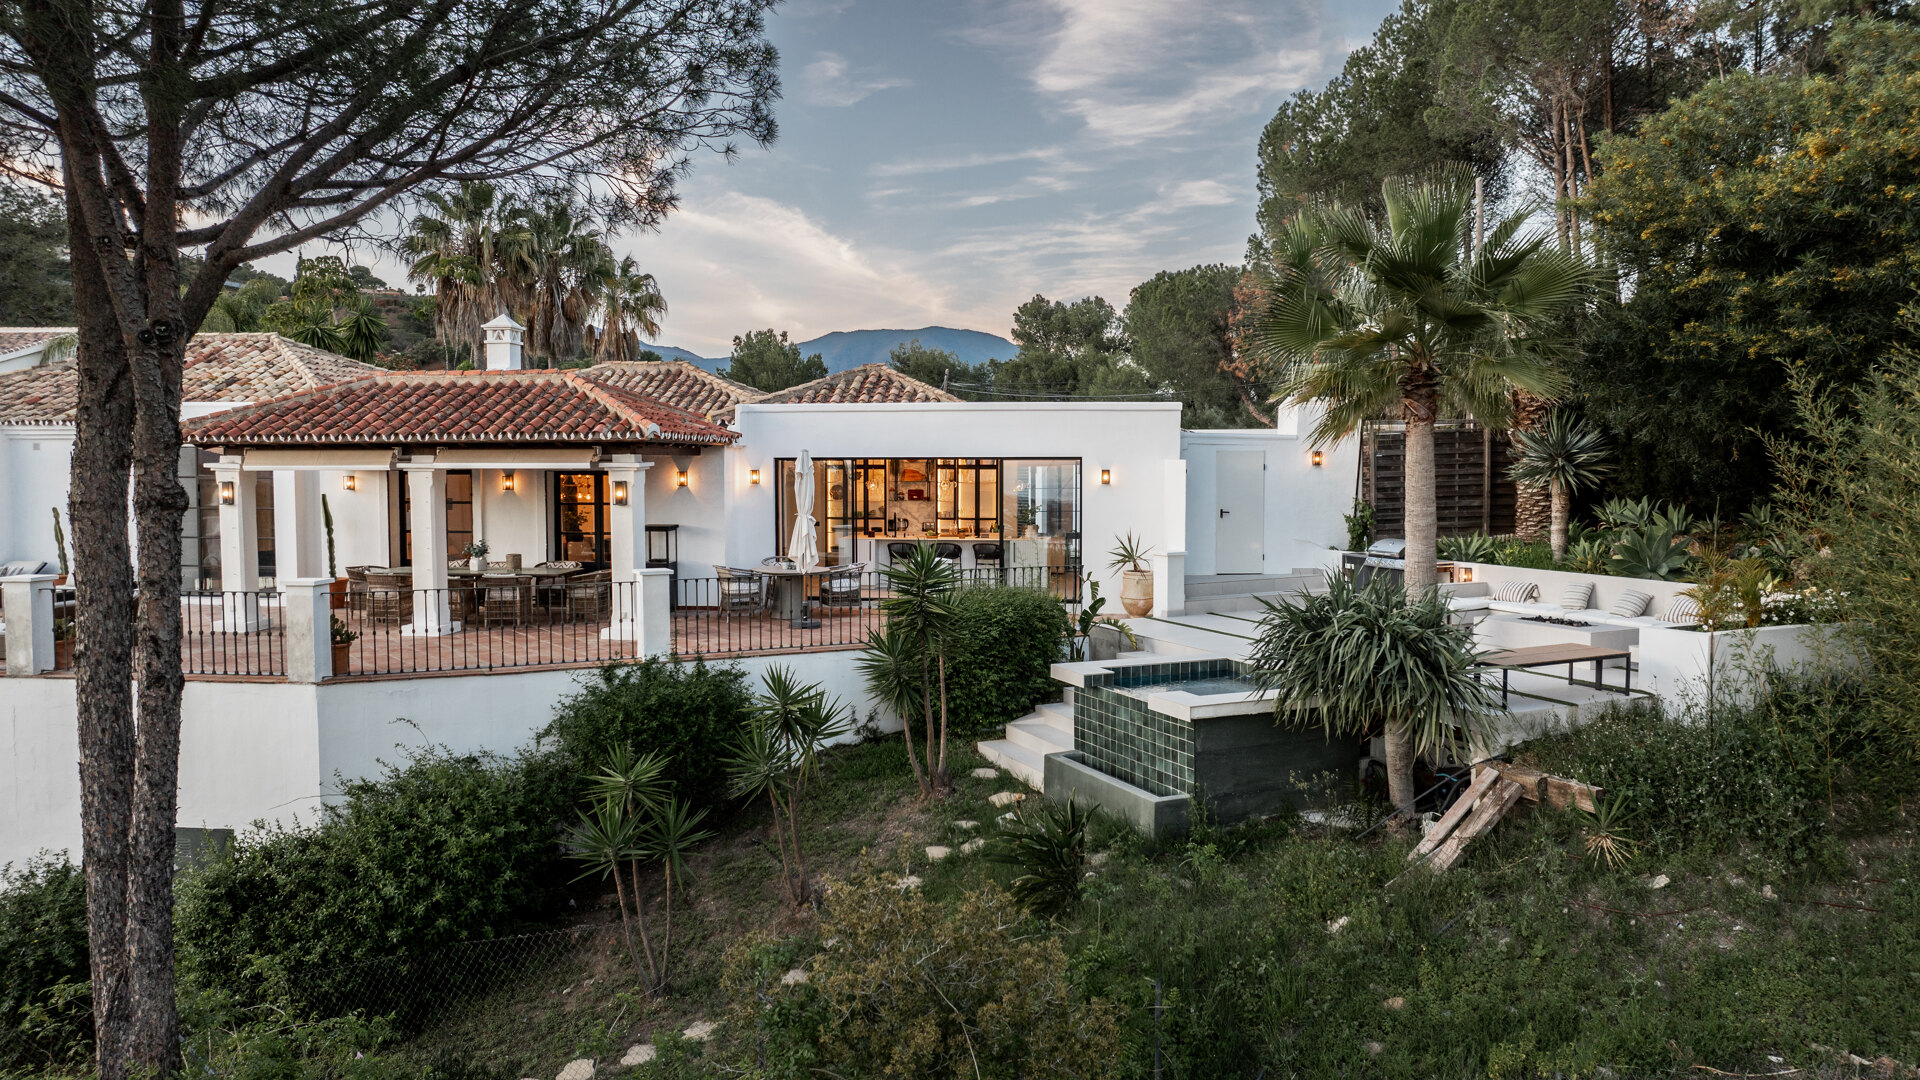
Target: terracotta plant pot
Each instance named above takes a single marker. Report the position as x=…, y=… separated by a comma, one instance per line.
x=1136, y=592
x=63, y=654
x=340, y=658
x=337, y=595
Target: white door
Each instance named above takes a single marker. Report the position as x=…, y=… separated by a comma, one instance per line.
x=1240, y=518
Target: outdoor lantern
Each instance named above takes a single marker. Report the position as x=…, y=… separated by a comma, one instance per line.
x=753, y=476
x=1106, y=476
x=226, y=493
x=1466, y=573
x=1319, y=459
x=680, y=478
x=349, y=482
x=506, y=480
x=619, y=493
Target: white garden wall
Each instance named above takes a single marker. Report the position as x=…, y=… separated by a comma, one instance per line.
x=1305, y=503
x=1606, y=588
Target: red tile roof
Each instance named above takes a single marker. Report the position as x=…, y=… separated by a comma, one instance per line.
x=14, y=339
x=676, y=382
x=217, y=367
x=457, y=407
x=866, y=384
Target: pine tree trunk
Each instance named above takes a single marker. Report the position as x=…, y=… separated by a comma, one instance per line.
x=1422, y=530
x=1560, y=501
x=1532, y=507
x=103, y=617
x=1399, y=744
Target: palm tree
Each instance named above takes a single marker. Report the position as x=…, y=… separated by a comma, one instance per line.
x=632, y=305
x=906, y=663
x=1360, y=656
x=1395, y=316
x=1562, y=455
x=553, y=267
x=457, y=246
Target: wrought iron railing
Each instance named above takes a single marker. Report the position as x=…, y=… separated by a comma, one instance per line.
x=232, y=633
x=507, y=622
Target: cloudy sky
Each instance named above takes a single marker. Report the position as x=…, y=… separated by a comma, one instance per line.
x=940, y=162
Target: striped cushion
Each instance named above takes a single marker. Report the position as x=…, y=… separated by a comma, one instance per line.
x=1631, y=605
x=1516, y=592
x=1577, y=596
x=1684, y=609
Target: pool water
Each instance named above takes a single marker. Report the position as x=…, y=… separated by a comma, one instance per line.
x=1220, y=684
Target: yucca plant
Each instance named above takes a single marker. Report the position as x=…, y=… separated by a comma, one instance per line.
x=778, y=754
x=1402, y=315
x=1563, y=455
x=1606, y=841
x=1049, y=845
x=1359, y=658
x=905, y=664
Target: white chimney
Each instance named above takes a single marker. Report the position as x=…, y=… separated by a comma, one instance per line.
x=503, y=337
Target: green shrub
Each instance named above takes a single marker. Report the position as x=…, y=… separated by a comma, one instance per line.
x=1008, y=640
x=690, y=713
x=443, y=849
x=43, y=944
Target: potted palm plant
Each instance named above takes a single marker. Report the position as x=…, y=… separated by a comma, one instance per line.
x=1136, y=581
x=342, y=639
x=63, y=635
x=477, y=556
x=337, y=591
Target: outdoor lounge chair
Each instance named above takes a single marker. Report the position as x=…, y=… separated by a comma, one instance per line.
x=589, y=594
x=844, y=587
x=741, y=592
x=389, y=596
x=357, y=589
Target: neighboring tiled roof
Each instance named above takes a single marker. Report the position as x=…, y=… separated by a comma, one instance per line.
x=15, y=338
x=255, y=367
x=867, y=384
x=39, y=395
x=676, y=382
x=217, y=367
x=457, y=407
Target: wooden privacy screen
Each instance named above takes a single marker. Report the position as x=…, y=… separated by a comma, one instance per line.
x=1471, y=491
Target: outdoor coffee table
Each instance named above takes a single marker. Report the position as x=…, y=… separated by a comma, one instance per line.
x=1552, y=656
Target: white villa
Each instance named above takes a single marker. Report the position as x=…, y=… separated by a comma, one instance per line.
x=627, y=510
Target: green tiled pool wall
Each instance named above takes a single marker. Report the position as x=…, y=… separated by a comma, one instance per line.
x=1120, y=736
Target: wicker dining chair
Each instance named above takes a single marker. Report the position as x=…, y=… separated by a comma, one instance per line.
x=357, y=589
x=742, y=592
x=844, y=587
x=505, y=598
x=389, y=596
x=589, y=594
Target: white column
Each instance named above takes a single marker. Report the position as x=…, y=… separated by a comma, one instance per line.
x=299, y=536
x=654, y=629
x=309, y=628
x=626, y=518
x=1170, y=567
x=239, y=547
x=28, y=603
x=427, y=510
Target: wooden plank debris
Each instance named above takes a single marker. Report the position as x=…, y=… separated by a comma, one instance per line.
x=1496, y=789
x=1492, y=808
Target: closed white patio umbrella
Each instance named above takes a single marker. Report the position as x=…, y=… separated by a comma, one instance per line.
x=802, y=547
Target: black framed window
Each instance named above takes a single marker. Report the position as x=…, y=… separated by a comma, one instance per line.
x=459, y=515
x=580, y=530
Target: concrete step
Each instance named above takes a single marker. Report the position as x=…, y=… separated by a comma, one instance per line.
x=1039, y=736
x=1057, y=714
x=1019, y=762
x=1234, y=584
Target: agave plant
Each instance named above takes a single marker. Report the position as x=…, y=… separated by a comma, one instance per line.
x=1620, y=515
x=1588, y=555
x=1475, y=547
x=1562, y=455
x=1649, y=552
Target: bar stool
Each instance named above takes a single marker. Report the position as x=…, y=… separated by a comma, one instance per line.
x=900, y=552
x=950, y=552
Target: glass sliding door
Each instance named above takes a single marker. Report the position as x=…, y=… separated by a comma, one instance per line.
x=1041, y=510
x=580, y=531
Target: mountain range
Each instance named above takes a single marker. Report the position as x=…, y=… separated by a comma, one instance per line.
x=843, y=349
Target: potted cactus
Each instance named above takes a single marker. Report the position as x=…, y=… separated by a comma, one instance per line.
x=337, y=591
x=63, y=635
x=60, y=545
x=343, y=640
x=1136, y=581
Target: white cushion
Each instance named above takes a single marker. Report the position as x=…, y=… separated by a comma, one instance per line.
x=1683, y=610
x=1631, y=604
x=1577, y=595
x=1516, y=592
x=1469, y=603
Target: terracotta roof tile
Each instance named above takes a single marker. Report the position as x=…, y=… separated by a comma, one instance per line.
x=217, y=367
x=676, y=382
x=13, y=339
x=866, y=384
x=457, y=407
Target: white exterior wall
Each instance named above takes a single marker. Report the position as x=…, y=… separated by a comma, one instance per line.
x=700, y=508
x=513, y=522
x=34, y=471
x=1133, y=440
x=1305, y=503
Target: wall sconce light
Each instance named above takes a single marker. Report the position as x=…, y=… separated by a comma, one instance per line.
x=349, y=482
x=753, y=476
x=619, y=493
x=1106, y=476
x=506, y=480
x=1319, y=459
x=679, y=478
x=226, y=493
